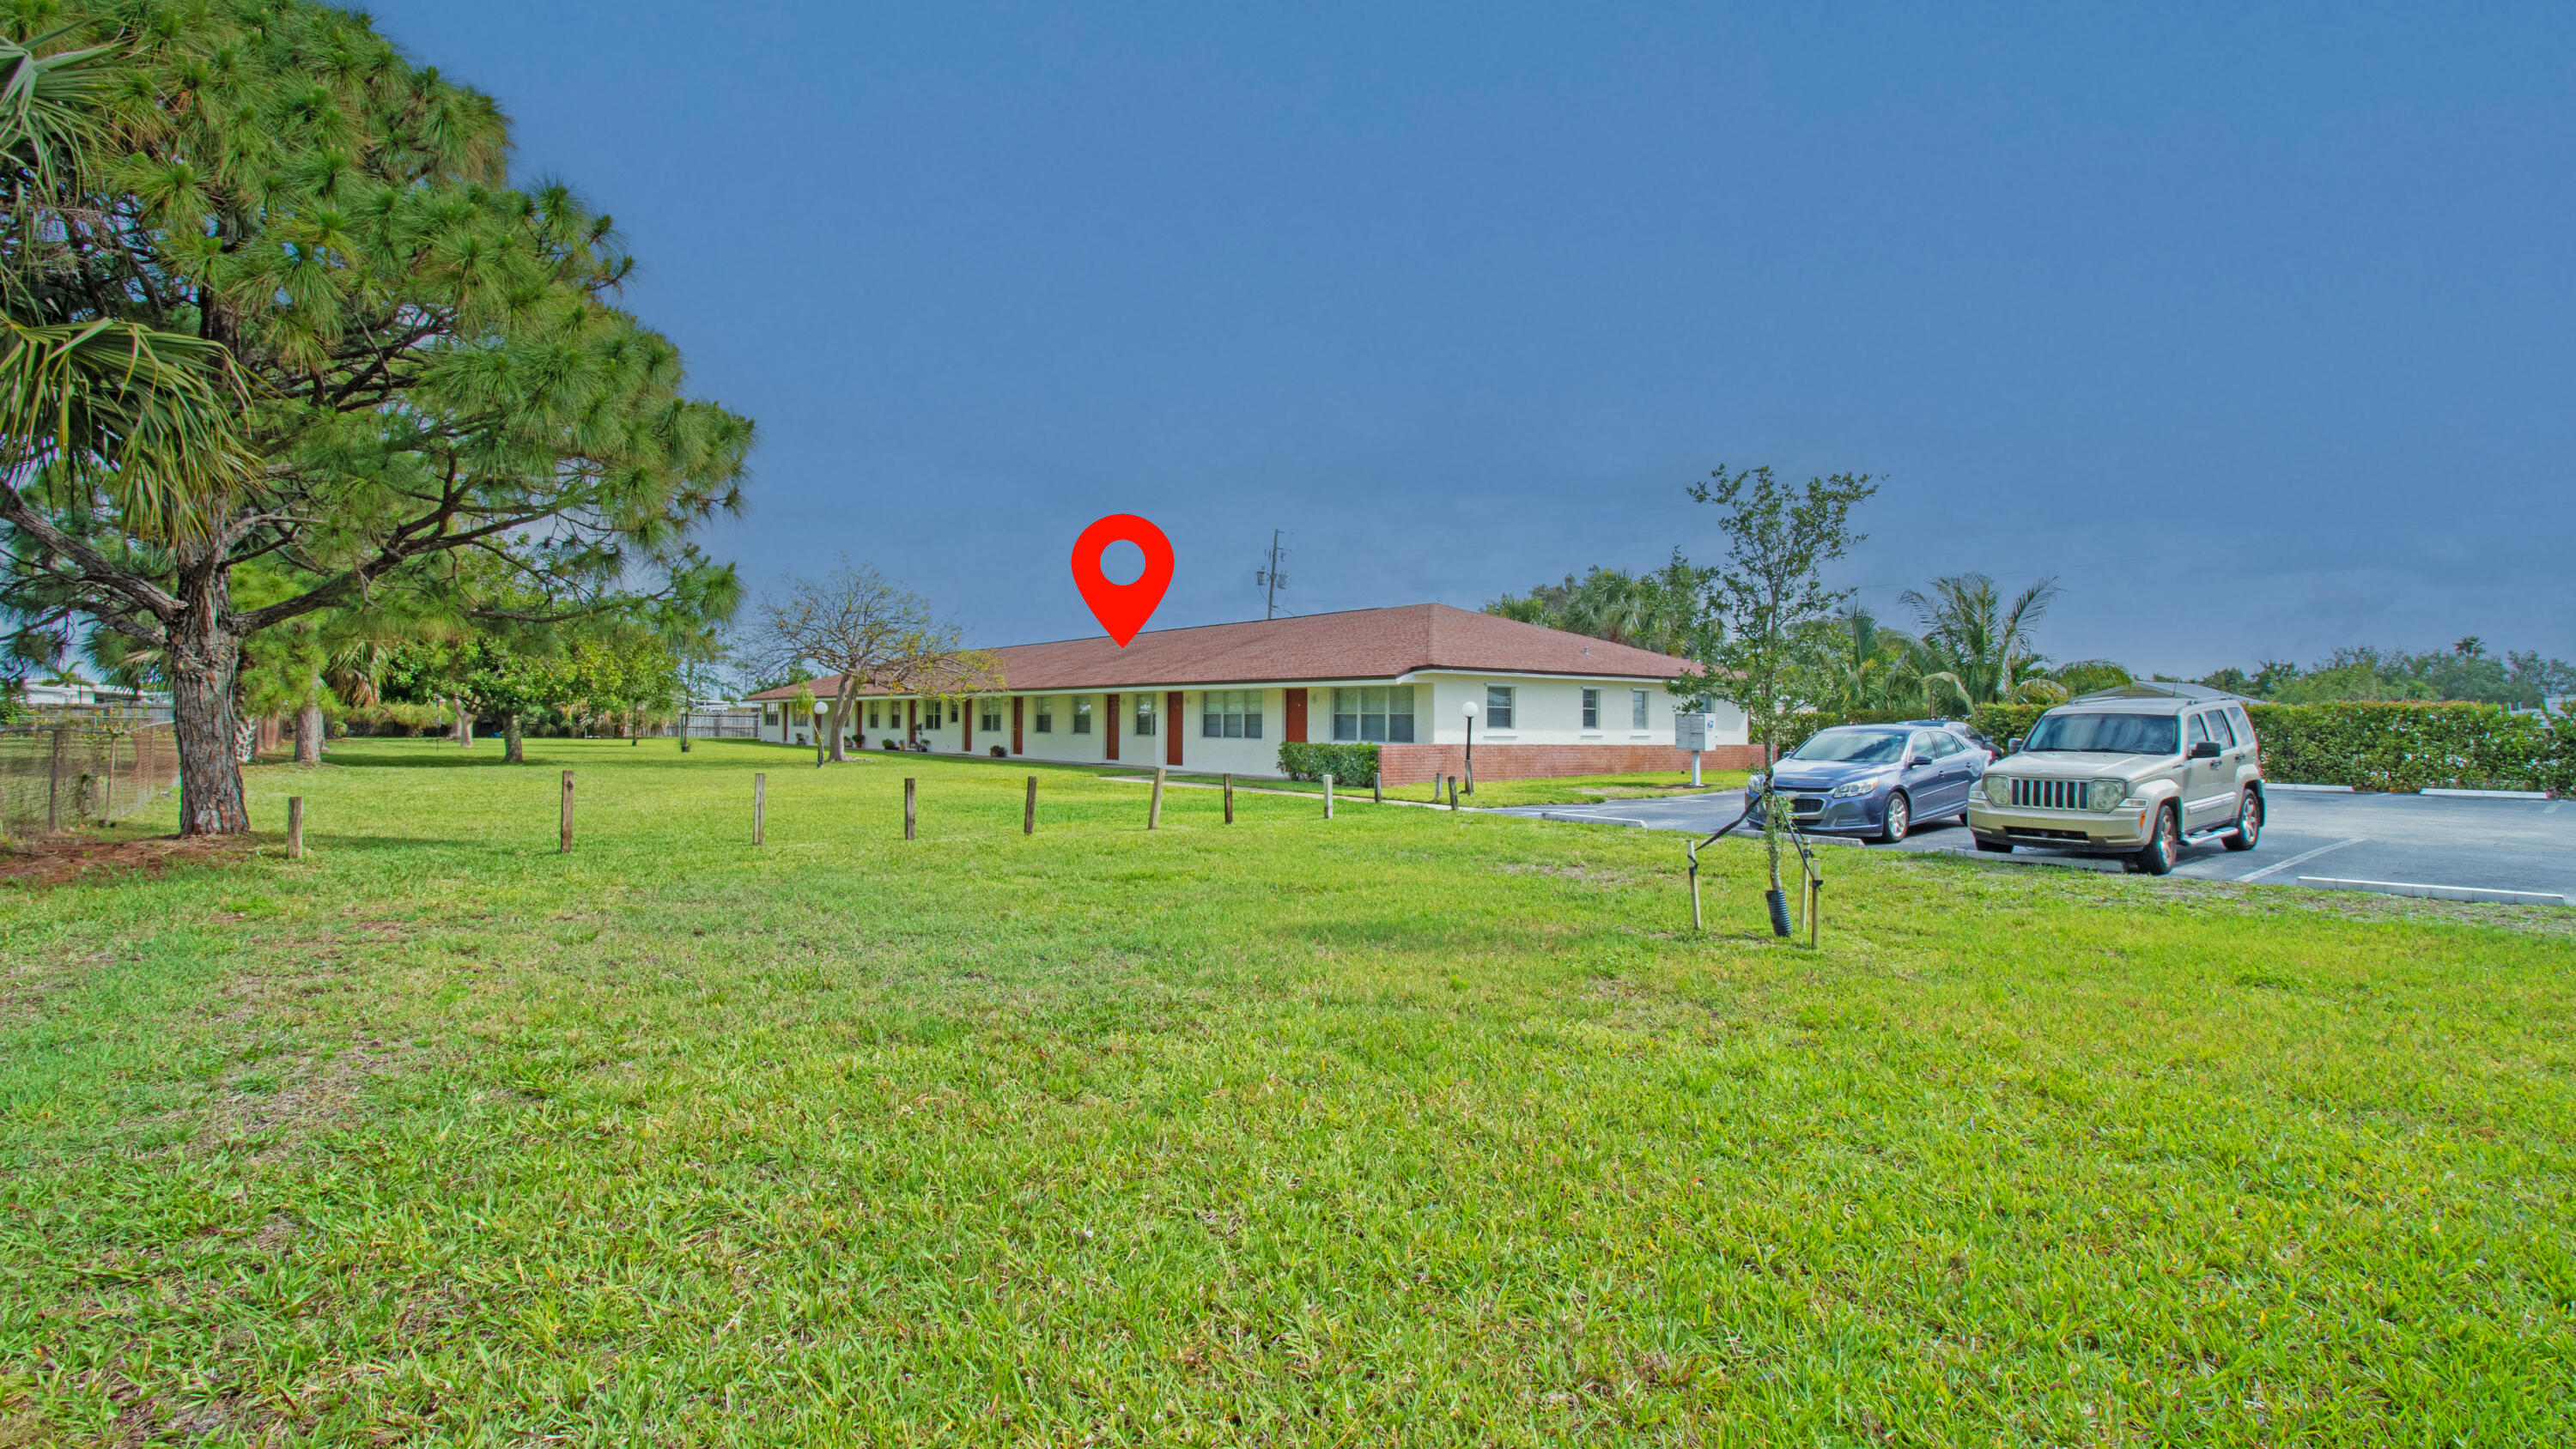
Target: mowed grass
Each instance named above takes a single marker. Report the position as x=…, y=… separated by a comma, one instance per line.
x=1410, y=1128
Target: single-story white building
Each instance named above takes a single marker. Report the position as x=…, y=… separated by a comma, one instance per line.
x=1224, y=697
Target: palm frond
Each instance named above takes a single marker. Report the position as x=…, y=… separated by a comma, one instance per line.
x=148, y=417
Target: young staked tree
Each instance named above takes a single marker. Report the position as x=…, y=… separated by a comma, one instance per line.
x=432, y=360
x=1769, y=599
x=871, y=632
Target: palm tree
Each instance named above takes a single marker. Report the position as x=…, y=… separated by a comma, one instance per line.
x=1980, y=644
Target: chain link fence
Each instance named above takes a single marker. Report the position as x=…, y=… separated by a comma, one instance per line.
x=60, y=776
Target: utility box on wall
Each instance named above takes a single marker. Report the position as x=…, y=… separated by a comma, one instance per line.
x=1695, y=731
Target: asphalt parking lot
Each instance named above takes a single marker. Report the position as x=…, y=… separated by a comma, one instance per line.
x=2426, y=840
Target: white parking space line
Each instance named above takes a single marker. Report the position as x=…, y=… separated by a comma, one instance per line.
x=2295, y=860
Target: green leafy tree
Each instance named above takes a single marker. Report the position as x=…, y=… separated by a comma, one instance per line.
x=432, y=361
x=1664, y=611
x=1769, y=595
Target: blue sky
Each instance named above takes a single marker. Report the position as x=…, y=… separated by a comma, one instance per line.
x=2250, y=323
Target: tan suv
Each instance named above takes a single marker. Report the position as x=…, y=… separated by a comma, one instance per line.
x=2134, y=772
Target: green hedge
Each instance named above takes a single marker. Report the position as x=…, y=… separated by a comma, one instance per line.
x=2395, y=746
x=1347, y=764
x=2390, y=746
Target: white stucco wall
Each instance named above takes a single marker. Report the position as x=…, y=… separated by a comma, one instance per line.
x=1546, y=711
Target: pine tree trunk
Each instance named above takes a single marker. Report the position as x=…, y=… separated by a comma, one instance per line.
x=512, y=754
x=204, y=666
x=308, y=734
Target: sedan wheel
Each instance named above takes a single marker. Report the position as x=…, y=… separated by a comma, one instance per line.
x=1899, y=816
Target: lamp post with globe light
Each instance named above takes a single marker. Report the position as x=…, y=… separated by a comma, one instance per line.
x=1468, y=708
x=819, y=755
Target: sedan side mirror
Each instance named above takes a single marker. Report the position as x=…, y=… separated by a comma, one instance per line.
x=2205, y=750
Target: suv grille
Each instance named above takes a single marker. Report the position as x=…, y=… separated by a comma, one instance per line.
x=2050, y=794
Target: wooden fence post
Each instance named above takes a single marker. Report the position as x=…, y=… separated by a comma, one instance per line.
x=907, y=806
x=1029, y=812
x=1328, y=797
x=1154, y=812
x=1229, y=799
x=1377, y=787
x=566, y=847
x=1453, y=792
x=294, y=827
x=759, y=805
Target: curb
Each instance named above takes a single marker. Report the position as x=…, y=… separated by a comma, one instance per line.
x=2435, y=892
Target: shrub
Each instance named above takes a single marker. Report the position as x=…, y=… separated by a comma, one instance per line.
x=1000, y=754
x=1347, y=764
x=2413, y=746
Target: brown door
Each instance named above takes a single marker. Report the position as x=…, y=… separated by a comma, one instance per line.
x=966, y=728
x=1296, y=717
x=912, y=720
x=1172, y=727
x=1016, y=702
x=1109, y=718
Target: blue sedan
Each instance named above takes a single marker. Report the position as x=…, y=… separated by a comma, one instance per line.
x=1875, y=780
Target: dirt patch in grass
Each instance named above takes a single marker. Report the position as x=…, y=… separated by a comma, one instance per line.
x=272, y=1108
x=52, y=862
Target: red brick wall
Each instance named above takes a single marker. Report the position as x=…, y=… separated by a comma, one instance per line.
x=1416, y=764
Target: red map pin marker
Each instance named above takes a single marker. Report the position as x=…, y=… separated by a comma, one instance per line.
x=1122, y=609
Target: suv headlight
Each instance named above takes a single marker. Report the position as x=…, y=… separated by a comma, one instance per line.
x=1999, y=789
x=2107, y=795
x=1849, y=788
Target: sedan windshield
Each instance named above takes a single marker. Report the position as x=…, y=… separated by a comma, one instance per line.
x=2107, y=734
x=1859, y=747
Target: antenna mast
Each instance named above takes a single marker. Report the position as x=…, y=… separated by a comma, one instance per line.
x=1271, y=579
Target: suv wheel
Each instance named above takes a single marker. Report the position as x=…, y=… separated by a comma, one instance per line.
x=1900, y=815
x=2166, y=848
x=2249, y=822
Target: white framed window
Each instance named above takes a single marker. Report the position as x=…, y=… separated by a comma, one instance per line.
x=1144, y=714
x=769, y=716
x=1636, y=709
x=988, y=716
x=1082, y=714
x=1498, y=706
x=1375, y=713
x=1046, y=715
x=1592, y=709
x=1230, y=714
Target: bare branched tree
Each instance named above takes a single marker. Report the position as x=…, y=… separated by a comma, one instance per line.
x=873, y=634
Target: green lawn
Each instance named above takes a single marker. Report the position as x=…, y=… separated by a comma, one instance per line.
x=1410, y=1128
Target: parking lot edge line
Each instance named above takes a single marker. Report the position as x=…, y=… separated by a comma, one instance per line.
x=2294, y=860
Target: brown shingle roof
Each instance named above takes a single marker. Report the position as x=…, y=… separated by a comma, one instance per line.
x=1358, y=644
